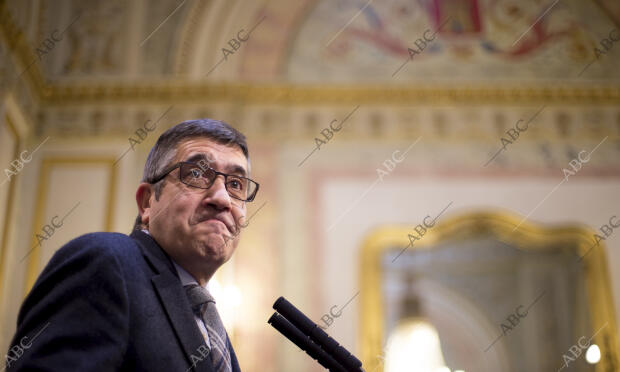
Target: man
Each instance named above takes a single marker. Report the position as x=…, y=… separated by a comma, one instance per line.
x=111, y=302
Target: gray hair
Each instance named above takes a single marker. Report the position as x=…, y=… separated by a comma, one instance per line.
x=165, y=149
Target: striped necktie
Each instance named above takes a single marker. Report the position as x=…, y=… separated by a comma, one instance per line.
x=203, y=306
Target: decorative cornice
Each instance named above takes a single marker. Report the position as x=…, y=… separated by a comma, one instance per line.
x=330, y=94
x=15, y=38
x=175, y=91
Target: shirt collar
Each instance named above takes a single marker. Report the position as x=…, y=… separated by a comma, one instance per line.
x=185, y=277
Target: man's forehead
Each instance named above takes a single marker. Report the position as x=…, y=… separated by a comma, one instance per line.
x=214, y=153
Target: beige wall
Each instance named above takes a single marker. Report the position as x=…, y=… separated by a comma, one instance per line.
x=290, y=247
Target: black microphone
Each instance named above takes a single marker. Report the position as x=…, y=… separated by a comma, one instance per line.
x=322, y=339
x=304, y=343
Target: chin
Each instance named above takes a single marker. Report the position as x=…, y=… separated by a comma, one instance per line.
x=216, y=246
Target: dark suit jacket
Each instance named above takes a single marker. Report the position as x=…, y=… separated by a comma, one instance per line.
x=109, y=302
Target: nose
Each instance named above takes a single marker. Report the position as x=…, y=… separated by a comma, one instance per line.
x=217, y=196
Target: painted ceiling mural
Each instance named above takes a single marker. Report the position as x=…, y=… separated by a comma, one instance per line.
x=443, y=40
x=327, y=41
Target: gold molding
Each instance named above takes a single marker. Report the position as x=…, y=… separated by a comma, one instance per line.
x=10, y=200
x=331, y=94
x=16, y=41
x=500, y=225
x=34, y=258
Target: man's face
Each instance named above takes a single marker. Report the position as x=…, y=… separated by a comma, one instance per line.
x=199, y=228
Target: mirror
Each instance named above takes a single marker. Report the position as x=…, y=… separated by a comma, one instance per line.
x=475, y=293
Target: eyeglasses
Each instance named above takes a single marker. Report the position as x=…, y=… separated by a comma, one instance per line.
x=203, y=176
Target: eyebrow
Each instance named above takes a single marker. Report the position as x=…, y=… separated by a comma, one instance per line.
x=229, y=168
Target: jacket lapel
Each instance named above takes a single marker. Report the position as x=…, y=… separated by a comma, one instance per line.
x=175, y=302
x=233, y=357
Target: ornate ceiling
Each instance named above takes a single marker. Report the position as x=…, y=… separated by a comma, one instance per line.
x=64, y=61
x=163, y=49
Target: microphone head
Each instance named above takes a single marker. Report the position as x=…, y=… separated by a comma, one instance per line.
x=273, y=318
x=281, y=301
x=300, y=321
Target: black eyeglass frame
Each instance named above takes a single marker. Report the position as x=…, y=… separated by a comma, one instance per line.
x=250, y=198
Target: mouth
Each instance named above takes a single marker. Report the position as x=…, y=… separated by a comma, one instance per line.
x=214, y=220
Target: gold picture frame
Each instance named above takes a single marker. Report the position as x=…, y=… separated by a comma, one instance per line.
x=501, y=226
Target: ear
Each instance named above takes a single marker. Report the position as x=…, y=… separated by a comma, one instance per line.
x=144, y=195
